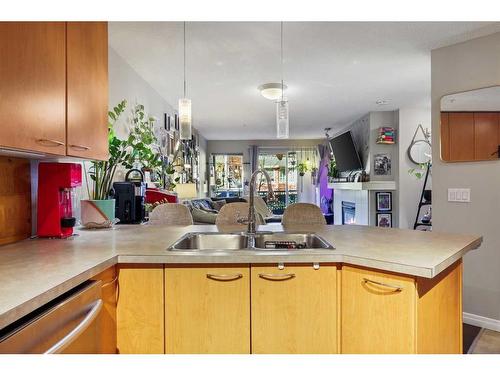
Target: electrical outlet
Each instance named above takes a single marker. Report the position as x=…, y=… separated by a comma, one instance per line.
x=459, y=195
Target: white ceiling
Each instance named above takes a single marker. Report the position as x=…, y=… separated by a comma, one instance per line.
x=335, y=71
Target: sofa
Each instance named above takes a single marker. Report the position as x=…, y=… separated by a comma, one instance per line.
x=205, y=210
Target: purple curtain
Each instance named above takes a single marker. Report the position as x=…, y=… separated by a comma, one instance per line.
x=326, y=195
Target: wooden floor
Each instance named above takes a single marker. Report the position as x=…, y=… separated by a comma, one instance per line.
x=486, y=342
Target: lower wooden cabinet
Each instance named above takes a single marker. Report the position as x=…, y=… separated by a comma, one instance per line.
x=378, y=312
x=391, y=313
x=294, y=310
x=140, y=309
x=298, y=309
x=108, y=313
x=207, y=309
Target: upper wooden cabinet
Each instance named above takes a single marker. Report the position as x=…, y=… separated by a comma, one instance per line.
x=87, y=90
x=470, y=136
x=33, y=86
x=54, y=88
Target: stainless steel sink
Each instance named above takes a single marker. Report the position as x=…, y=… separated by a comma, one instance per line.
x=290, y=241
x=242, y=241
x=211, y=241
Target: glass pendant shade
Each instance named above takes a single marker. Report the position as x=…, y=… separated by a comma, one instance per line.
x=282, y=121
x=185, y=119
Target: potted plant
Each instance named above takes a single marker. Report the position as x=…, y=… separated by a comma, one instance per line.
x=332, y=170
x=302, y=168
x=99, y=210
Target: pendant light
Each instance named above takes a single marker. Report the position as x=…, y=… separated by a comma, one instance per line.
x=282, y=120
x=185, y=118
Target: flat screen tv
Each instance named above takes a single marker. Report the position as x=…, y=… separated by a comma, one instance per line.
x=345, y=153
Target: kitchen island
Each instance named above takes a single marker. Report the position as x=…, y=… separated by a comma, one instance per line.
x=379, y=290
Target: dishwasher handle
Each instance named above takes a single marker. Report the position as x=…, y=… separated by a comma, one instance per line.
x=81, y=327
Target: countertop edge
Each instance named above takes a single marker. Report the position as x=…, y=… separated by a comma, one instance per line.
x=27, y=307
x=31, y=305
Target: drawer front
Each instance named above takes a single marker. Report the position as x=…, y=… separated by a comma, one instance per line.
x=207, y=309
x=294, y=310
x=378, y=312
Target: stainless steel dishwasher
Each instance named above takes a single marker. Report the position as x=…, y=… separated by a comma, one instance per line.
x=69, y=324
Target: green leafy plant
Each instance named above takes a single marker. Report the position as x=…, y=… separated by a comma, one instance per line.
x=419, y=171
x=102, y=172
x=333, y=172
x=302, y=167
x=143, y=142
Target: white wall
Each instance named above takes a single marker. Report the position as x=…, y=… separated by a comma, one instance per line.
x=466, y=66
x=409, y=187
x=126, y=83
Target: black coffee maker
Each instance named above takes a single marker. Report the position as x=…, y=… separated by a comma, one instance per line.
x=130, y=197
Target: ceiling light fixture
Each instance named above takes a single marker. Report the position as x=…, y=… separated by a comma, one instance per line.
x=185, y=118
x=382, y=102
x=282, y=109
x=272, y=90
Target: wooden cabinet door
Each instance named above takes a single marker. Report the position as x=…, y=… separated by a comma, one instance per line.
x=461, y=129
x=207, y=309
x=108, y=312
x=294, y=310
x=486, y=136
x=445, y=136
x=378, y=312
x=139, y=312
x=33, y=86
x=87, y=64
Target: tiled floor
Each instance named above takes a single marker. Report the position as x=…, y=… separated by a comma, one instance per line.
x=486, y=342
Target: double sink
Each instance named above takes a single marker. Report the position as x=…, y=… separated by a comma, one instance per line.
x=260, y=241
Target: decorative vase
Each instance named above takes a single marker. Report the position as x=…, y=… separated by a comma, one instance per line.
x=98, y=213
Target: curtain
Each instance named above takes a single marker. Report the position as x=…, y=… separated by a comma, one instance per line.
x=324, y=159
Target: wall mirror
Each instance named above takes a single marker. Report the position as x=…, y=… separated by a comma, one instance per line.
x=470, y=125
x=420, y=149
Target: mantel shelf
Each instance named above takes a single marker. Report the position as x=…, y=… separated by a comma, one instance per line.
x=370, y=185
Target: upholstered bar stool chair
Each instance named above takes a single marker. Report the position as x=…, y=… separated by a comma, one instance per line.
x=303, y=213
x=235, y=214
x=172, y=214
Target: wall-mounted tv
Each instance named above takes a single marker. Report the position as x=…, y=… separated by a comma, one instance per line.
x=345, y=153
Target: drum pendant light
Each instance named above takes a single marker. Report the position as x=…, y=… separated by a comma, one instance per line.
x=185, y=119
x=282, y=110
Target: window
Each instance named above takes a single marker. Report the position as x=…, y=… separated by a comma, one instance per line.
x=226, y=175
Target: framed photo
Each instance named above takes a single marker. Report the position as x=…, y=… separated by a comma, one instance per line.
x=384, y=220
x=384, y=201
x=382, y=164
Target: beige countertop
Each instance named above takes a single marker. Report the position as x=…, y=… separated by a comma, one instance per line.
x=33, y=272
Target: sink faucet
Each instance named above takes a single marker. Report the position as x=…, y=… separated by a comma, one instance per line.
x=251, y=203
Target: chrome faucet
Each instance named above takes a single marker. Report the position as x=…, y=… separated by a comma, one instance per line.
x=251, y=202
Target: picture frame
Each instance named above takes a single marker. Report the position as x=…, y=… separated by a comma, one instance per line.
x=382, y=164
x=384, y=220
x=383, y=200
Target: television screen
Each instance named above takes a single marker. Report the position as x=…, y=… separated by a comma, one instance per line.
x=345, y=153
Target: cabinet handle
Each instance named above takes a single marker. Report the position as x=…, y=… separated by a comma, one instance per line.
x=276, y=277
x=76, y=332
x=398, y=288
x=79, y=147
x=224, y=277
x=50, y=142
x=110, y=282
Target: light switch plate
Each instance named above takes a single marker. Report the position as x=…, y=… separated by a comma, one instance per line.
x=459, y=195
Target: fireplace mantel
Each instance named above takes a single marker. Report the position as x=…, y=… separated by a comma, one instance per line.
x=370, y=185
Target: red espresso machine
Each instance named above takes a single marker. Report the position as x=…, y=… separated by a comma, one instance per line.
x=56, y=184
